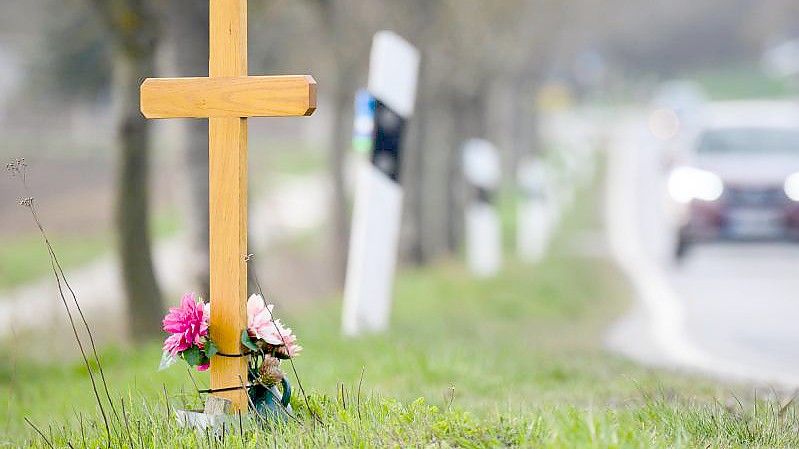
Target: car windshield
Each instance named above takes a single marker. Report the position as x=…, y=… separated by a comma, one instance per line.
x=749, y=140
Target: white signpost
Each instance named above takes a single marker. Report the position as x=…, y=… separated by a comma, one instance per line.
x=393, y=74
x=535, y=214
x=481, y=167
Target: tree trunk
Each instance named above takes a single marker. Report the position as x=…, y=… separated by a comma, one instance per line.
x=132, y=207
x=334, y=17
x=454, y=175
x=439, y=140
x=189, y=33
x=525, y=116
x=340, y=145
x=195, y=152
x=413, y=180
x=469, y=113
x=414, y=175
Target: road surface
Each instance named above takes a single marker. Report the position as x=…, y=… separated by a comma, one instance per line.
x=730, y=310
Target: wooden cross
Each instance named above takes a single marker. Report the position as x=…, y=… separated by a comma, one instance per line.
x=227, y=97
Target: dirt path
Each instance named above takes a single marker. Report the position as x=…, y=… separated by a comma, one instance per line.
x=295, y=207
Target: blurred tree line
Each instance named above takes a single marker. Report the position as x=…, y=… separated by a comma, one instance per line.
x=483, y=62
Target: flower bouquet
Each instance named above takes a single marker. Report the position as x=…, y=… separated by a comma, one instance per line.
x=265, y=342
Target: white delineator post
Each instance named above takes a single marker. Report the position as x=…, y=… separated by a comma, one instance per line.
x=377, y=212
x=534, y=212
x=482, y=171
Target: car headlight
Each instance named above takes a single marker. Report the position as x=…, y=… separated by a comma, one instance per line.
x=689, y=183
x=791, y=186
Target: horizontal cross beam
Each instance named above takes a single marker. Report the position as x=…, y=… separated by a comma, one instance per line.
x=237, y=96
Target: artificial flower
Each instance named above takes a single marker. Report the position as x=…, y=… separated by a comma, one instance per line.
x=261, y=325
x=259, y=319
x=186, y=324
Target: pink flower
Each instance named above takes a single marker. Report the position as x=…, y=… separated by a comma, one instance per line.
x=259, y=318
x=262, y=326
x=284, y=336
x=187, y=324
x=203, y=367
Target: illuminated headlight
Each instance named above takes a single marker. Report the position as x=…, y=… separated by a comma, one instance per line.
x=792, y=186
x=689, y=183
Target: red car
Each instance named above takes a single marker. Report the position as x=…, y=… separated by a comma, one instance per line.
x=739, y=178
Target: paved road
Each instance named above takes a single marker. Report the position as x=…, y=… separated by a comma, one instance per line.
x=730, y=310
x=742, y=301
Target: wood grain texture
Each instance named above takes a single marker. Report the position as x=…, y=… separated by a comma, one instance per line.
x=215, y=405
x=244, y=96
x=226, y=98
x=227, y=172
x=227, y=169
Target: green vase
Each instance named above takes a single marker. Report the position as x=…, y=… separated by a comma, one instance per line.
x=269, y=402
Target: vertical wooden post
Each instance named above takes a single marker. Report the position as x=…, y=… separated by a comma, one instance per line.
x=228, y=204
x=227, y=102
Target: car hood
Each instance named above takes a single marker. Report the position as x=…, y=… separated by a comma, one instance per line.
x=750, y=170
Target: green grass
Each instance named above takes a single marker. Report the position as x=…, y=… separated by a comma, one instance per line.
x=512, y=361
x=298, y=161
x=284, y=157
x=24, y=259
x=740, y=83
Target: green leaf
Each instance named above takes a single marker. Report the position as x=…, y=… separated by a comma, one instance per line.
x=247, y=341
x=210, y=348
x=192, y=356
